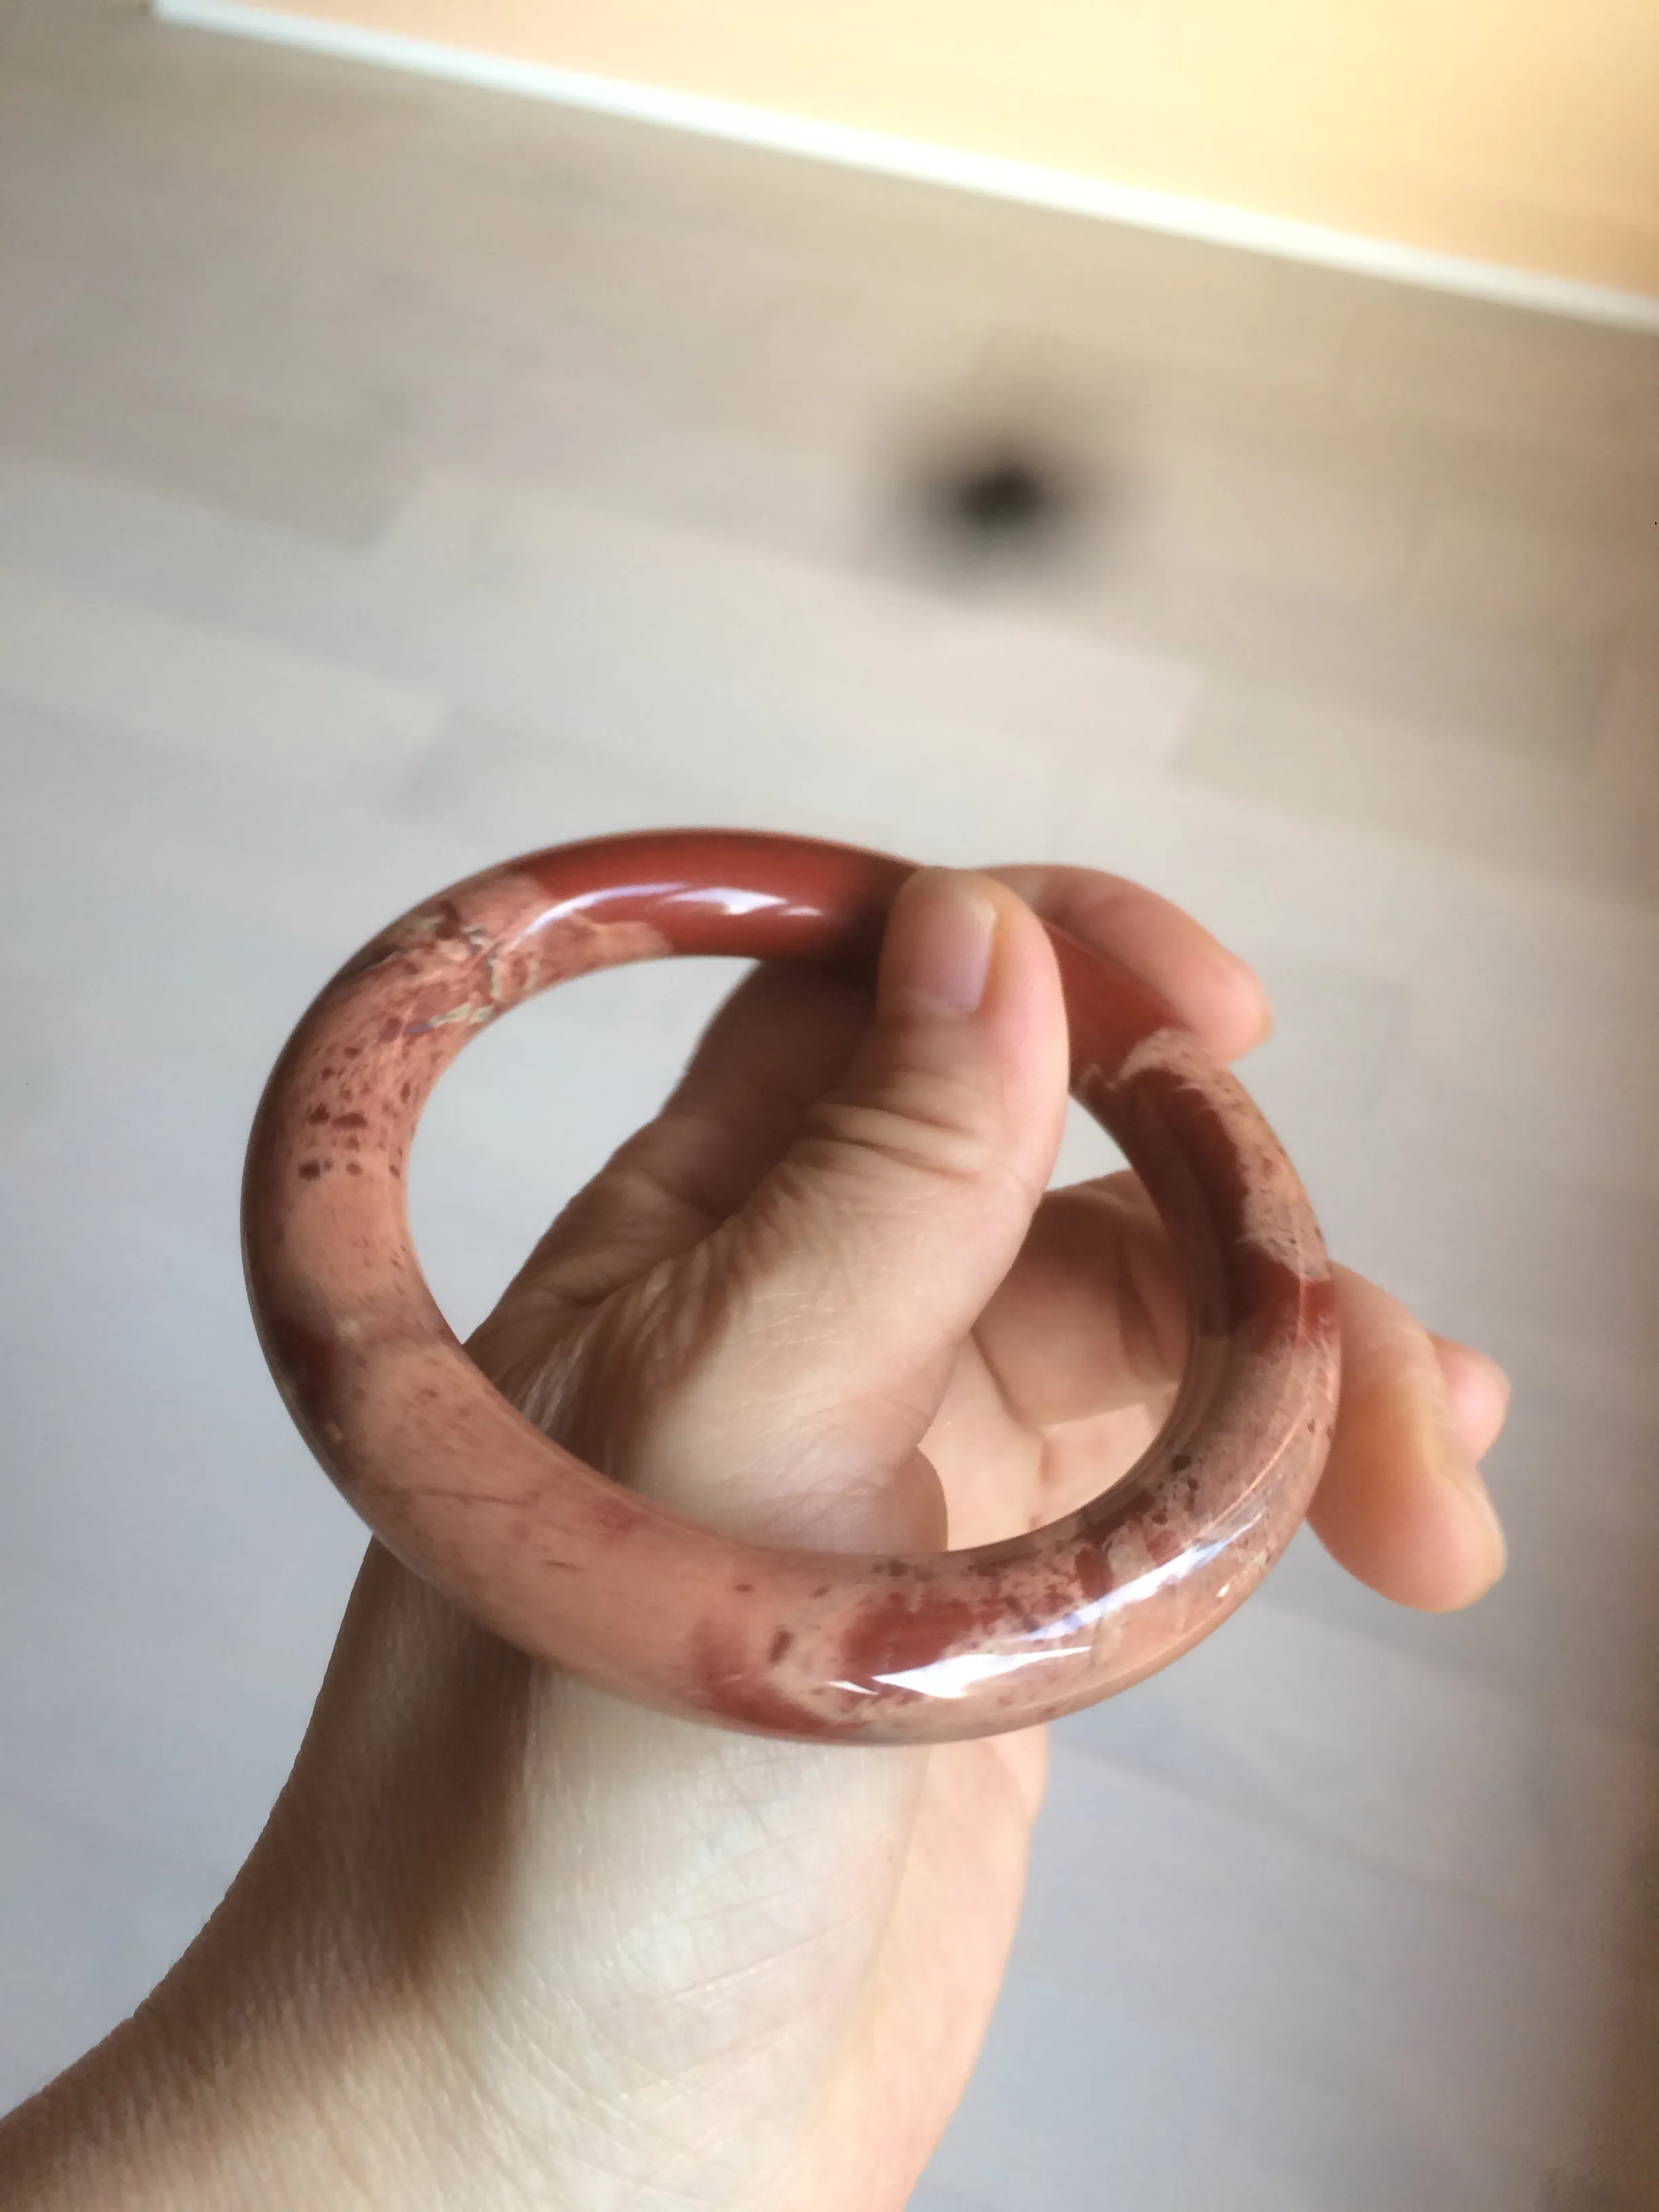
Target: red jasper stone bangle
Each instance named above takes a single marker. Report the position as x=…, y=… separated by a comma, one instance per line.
x=574, y=1570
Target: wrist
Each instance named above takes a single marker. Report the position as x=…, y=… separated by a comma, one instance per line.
x=323, y=2043
x=257, y=2073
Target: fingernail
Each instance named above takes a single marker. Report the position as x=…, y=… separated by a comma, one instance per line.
x=937, y=956
x=1500, y=1376
x=1264, y=1019
x=1465, y=1476
x=1474, y=1396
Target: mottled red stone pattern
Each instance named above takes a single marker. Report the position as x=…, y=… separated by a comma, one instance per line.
x=732, y=1688
x=542, y=1550
x=897, y=1629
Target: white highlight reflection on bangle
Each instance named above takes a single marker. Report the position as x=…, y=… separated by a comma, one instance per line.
x=955, y=1678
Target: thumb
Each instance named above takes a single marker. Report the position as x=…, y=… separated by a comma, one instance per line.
x=826, y=1313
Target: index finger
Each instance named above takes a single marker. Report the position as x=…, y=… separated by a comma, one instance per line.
x=1214, y=993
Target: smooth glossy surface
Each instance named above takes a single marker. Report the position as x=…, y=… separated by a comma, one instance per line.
x=575, y=1570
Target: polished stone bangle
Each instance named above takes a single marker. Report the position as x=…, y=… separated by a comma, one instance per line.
x=576, y=1571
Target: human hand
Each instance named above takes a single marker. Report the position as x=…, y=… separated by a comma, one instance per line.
x=509, y=1942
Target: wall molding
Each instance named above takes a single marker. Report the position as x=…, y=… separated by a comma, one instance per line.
x=1067, y=191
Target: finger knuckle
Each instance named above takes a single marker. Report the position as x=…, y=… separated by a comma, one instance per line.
x=931, y=1129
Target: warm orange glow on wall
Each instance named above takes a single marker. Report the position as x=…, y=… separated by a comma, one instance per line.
x=1524, y=132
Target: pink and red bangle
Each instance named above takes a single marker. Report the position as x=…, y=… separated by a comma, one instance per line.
x=578, y=1572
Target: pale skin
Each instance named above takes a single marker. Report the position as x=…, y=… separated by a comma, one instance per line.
x=507, y=1942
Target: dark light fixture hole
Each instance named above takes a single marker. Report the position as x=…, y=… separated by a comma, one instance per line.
x=1005, y=499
